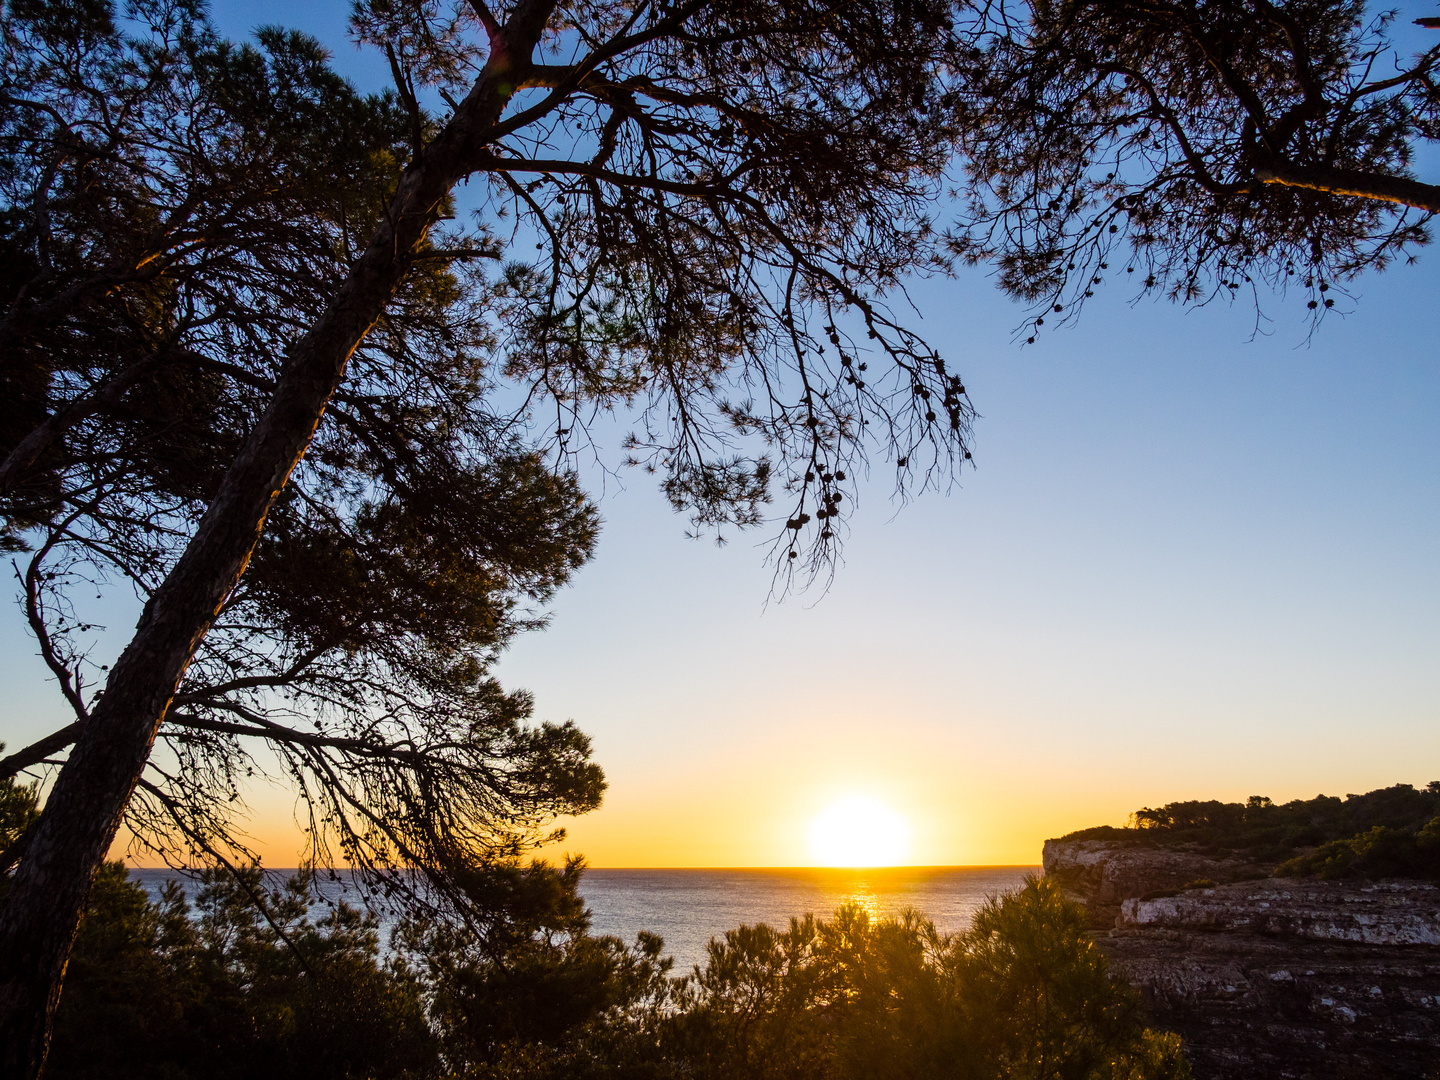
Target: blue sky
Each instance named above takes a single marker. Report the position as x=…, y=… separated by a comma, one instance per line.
x=1189, y=564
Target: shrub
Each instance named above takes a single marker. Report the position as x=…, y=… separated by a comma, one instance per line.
x=1378, y=852
x=164, y=990
x=1024, y=995
x=161, y=990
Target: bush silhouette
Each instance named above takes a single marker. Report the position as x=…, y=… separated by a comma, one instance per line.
x=158, y=989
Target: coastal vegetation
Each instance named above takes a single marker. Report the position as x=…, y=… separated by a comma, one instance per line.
x=210, y=988
x=1389, y=832
x=270, y=370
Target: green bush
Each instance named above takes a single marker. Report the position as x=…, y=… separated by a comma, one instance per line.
x=1024, y=995
x=161, y=990
x=531, y=991
x=1378, y=852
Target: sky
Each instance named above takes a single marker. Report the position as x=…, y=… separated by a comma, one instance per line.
x=1191, y=562
x=1188, y=565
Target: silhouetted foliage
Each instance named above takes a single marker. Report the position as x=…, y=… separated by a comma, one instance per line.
x=1194, y=150
x=178, y=209
x=1024, y=994
x=531, y=987
x=19, y=810
x=158, y=989
x=1387, y=832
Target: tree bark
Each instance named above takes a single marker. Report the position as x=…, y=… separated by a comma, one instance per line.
x=84, y=809
x=1395, y=189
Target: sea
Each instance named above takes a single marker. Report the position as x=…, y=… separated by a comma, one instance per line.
x=689, y=907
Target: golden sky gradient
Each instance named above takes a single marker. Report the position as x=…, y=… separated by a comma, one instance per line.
x=1192, y=561
x=1188, y=566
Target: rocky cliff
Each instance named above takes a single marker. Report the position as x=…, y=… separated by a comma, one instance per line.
x=1102, y=874
x=1267, y=978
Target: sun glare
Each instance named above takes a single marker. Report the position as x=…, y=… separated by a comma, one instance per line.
x=859, y=831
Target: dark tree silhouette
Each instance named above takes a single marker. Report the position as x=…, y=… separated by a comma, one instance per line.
x=352, y=660
x=220, y=259
x=1024, y=993
x=1192, y=149
x=205, y=986
x=209, y=989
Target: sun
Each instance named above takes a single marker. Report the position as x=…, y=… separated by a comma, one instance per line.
x=859, y=831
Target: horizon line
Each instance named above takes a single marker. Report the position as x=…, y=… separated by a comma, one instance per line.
x=845, y=869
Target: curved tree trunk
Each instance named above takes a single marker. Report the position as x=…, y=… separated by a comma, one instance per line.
x=84, y=809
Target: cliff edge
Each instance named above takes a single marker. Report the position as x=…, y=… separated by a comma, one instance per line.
x=1264, y=977
x=1102, y=874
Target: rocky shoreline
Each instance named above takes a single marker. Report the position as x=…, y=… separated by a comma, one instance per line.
x=1266, y=977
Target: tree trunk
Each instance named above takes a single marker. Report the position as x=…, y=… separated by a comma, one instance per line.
x=84, y=809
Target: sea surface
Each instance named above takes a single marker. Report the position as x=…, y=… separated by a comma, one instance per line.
x=689, y=907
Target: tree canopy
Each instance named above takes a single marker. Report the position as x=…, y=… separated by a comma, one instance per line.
x=1388, y=832
x=192, y=211
x=261, y=360
x=1196, y=150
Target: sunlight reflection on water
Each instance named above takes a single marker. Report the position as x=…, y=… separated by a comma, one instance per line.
x=863, y=898
x=689, y=907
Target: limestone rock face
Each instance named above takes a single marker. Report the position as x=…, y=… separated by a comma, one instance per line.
x=1365, y=912
x=1271, y=979
x=1102, y=873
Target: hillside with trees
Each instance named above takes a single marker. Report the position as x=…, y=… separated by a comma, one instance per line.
x=1389, y=832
